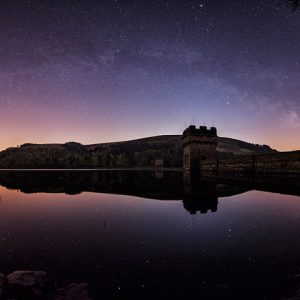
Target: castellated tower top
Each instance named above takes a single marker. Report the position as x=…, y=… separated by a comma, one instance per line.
x=201, y=131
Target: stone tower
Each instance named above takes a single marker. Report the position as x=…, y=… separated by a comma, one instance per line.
x=200, y=149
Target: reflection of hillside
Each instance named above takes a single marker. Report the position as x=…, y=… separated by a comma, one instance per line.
x=198, y=193
x=135, y=183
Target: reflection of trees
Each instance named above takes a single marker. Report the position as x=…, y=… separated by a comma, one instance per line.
x=140, y=183
x=198, y=193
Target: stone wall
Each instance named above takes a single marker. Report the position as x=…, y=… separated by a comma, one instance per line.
x=281, y=162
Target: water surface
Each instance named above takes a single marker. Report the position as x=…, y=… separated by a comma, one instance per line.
x=145, y=234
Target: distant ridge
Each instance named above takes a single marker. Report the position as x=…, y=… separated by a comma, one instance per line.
x=133, y=153
x=224, y=144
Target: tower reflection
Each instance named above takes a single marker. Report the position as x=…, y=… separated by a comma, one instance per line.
x=200, y=195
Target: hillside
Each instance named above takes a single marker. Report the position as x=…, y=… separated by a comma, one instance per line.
x=134, y=153
x=225, y=144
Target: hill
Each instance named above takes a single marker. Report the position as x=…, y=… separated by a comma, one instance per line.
x=134, y=153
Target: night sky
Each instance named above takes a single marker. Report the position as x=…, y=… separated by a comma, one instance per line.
x=99, y=71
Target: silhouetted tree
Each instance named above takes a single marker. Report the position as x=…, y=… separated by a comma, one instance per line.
x=293, y=4
x=74, y=146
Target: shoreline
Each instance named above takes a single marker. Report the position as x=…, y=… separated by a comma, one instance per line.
x=96, y=169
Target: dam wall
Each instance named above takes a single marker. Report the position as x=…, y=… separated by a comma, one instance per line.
x=273, y=163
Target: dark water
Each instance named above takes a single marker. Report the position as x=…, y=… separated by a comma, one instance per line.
x=154, y=235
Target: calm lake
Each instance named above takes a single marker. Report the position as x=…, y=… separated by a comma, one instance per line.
x=153, y=235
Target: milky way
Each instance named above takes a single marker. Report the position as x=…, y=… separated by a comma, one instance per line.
x=96, y=71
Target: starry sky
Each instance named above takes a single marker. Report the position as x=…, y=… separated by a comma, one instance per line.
x=100, y=71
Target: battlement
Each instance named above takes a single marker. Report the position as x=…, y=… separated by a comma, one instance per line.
x=192, y=130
